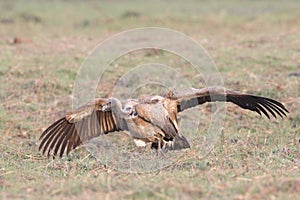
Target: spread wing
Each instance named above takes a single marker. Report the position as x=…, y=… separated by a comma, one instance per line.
x=77, y=127
x=194, y=97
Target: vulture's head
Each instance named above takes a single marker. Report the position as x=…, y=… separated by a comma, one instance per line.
x=111, y=104
x=115, y=105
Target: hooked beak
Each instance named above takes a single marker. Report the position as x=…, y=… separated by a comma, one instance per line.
x=105, y=107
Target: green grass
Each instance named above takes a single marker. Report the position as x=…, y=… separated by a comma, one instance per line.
x=255, y=45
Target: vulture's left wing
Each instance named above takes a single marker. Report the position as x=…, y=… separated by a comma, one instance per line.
x=83, y=124
x=194, y=97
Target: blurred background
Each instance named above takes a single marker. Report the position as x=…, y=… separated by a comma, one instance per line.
x=255, y=44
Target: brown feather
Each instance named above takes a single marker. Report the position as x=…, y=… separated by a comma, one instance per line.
x=157, y=115
x=77, y=127
x=194, y=97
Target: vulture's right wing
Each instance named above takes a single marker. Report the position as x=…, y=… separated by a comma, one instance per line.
x=83, y=124
x=194, y=97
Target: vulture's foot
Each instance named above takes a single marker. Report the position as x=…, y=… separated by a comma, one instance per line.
x=160, y=148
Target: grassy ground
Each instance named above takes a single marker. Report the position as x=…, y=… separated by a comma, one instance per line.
x=255, y=44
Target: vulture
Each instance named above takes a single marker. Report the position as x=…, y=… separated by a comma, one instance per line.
x=150, y=120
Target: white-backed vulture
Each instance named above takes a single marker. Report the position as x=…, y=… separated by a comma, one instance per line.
x=151, y=121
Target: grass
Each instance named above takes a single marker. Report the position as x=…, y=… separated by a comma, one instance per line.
x=255, y=45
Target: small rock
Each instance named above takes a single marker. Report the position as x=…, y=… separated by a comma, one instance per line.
x=18, y=40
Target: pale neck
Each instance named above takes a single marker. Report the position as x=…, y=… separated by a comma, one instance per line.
x=117, y=108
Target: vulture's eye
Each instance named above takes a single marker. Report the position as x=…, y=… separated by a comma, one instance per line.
x=134, y=113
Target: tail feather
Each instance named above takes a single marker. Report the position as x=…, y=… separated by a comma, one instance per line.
x=179, y=142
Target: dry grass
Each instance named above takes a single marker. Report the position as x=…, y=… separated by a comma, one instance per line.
x=254, y=44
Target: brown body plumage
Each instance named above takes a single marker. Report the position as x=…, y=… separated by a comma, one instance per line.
x=151, y=121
